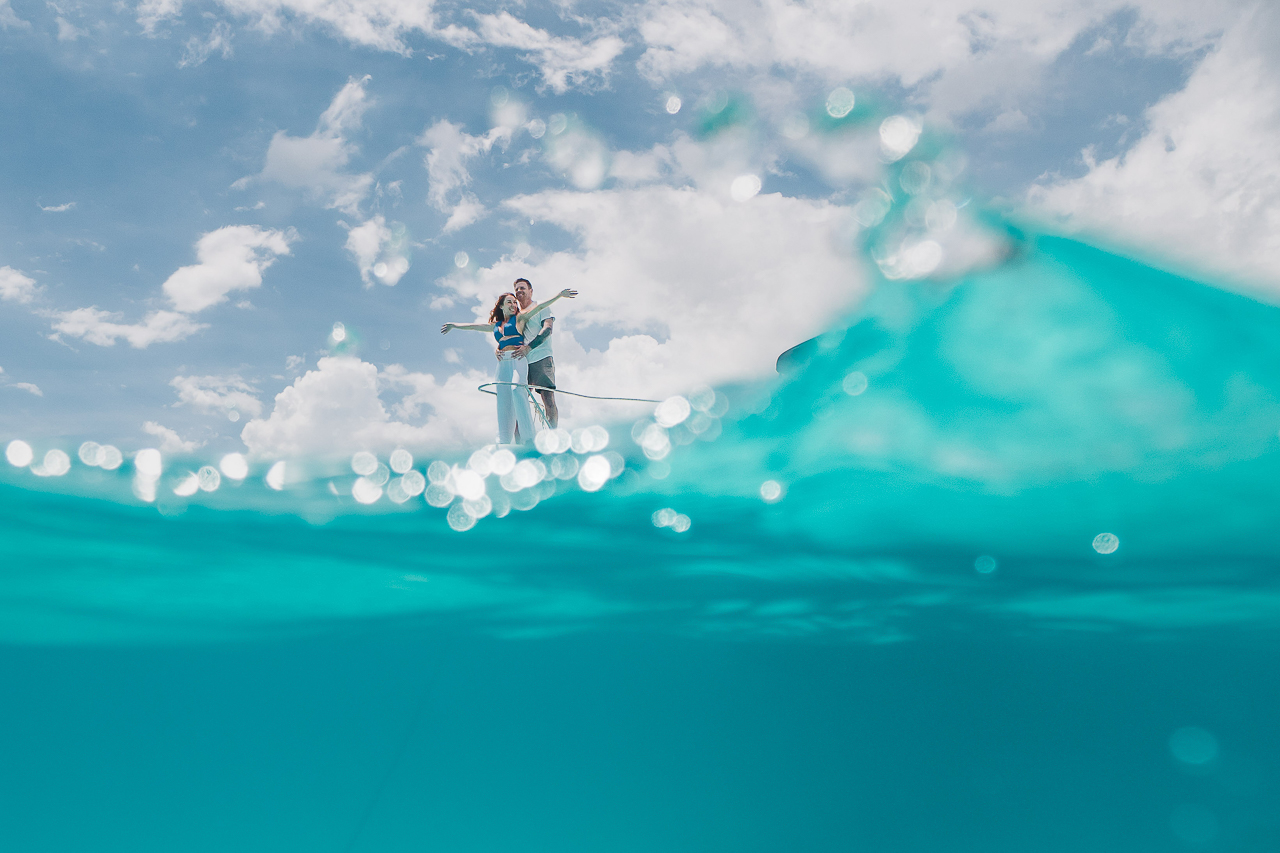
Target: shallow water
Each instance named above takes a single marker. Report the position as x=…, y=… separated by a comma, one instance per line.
x=921, y=643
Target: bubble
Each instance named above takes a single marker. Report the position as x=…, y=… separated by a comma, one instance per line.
x=339, y=333
x=401, y=460
x=839, y=102
x=526, y=474
x=855, y=383
x=795, y=126
x=413, y=483
x=664, y=517
x=654, y=442
x=744, y=187
x=499, y=96
x=503, y=461
x=481, y=462
x=1194, y=825
x=594, y=474
x=364, y=463
x=984, y=565
x=208, y=478
x=438, y=496
x=459, y=519
x=234, y=466
x=365, y=491
x=380, y=475
x=478, y=508
x=681, y=523
x=941, y=215
x=547, y=441
x=380, y=269
x=90, y=453
x=1193, y=745
x=19, y=453
x=673, y=105
x=898, y=135
x=233, y=416
x=438, y=472
x=112, y=458
x=564, y=467
x=275, y=476
x=557, y=123
x=672, y=411
x=187, y=487
x=915, y=177
x=461, y=259
x=1106, y=543
x=56, y=463
x=396, y=492
x=702, y=398
x=872, y=208
x=599, y=437
x=537, y=128
x=771, y=491
x=148, y=463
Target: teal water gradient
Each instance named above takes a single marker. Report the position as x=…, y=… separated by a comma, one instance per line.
x=256, y=670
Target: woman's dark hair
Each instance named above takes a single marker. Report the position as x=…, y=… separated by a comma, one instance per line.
x=497, y=315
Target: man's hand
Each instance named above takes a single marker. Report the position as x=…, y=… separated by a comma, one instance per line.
x=513, y=352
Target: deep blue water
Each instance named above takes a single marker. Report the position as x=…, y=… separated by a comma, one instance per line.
x=920, y=645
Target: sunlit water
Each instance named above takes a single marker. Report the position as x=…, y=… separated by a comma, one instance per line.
x=990, y=567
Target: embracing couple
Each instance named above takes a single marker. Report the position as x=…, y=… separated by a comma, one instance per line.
x=522, y=329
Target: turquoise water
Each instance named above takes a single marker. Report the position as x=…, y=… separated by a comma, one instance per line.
x=923, y=641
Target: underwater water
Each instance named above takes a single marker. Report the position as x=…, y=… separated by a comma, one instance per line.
x=991, y=566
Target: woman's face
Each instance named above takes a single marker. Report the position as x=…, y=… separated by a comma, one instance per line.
x=510, y=307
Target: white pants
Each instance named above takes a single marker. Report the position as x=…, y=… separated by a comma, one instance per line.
x=513, y=401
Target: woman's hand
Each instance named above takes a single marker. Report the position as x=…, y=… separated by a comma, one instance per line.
x=444, y=330
x=568, y=294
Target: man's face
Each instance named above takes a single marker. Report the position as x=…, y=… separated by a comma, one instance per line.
x=524, y=293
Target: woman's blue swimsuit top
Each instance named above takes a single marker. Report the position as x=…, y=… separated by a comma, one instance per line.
x=507, y=335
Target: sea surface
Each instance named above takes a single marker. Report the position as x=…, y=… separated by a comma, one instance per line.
x=993, y=565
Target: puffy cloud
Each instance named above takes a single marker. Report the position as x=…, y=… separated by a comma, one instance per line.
x=231, y=258
x=337, y=408
x=29, y=387
x=198, y=49
x=380, y=24
x=68, y=31
x=1203, y=183
x=316, y=164
x=563, y=61
x=381, y=251
x=8, y=18
x=449, y=148
x=151, y=13
x=102, y=327
x=170, y=441
x=220, y=394
x=16, y=286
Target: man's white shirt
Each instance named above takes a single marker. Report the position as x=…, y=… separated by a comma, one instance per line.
x=534, y=328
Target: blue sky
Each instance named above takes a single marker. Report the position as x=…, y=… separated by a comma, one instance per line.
x=197, y=192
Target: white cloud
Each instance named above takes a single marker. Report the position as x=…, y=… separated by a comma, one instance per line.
x=151, y=13
x=1203, y=183
x=68, y=31
x=170, y=441
x=59, y=208
x=29, y=387
x=336, y=409
x=198, y=50
x=317, y=163
x=381, y=251
x=8, y=18
x=564, y=61
x=15, y=286
x=449, y=149
x=231, y=258
x=102, y=327
x=220, y=394
x=380, y=24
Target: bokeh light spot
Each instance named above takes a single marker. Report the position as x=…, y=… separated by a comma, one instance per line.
x=234, y=466
x=1193, y=745
x=19, y=453
x=1106, y=543
x=771, y=491
x=364, y=463
x=840, y=102
x=745, y=187
x=461, y=259
x=673, y=105
x=855, y=383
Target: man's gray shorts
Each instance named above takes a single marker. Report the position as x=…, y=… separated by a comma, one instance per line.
x=543, y=372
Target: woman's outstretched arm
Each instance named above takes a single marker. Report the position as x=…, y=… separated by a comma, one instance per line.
x=466, y=327
x=523, y=317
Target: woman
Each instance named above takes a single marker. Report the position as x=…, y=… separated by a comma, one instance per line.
x=507, y=322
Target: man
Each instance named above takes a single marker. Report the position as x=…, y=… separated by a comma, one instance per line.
x=542, y=366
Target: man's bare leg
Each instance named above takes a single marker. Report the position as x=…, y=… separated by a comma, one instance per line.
x=549, y=403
